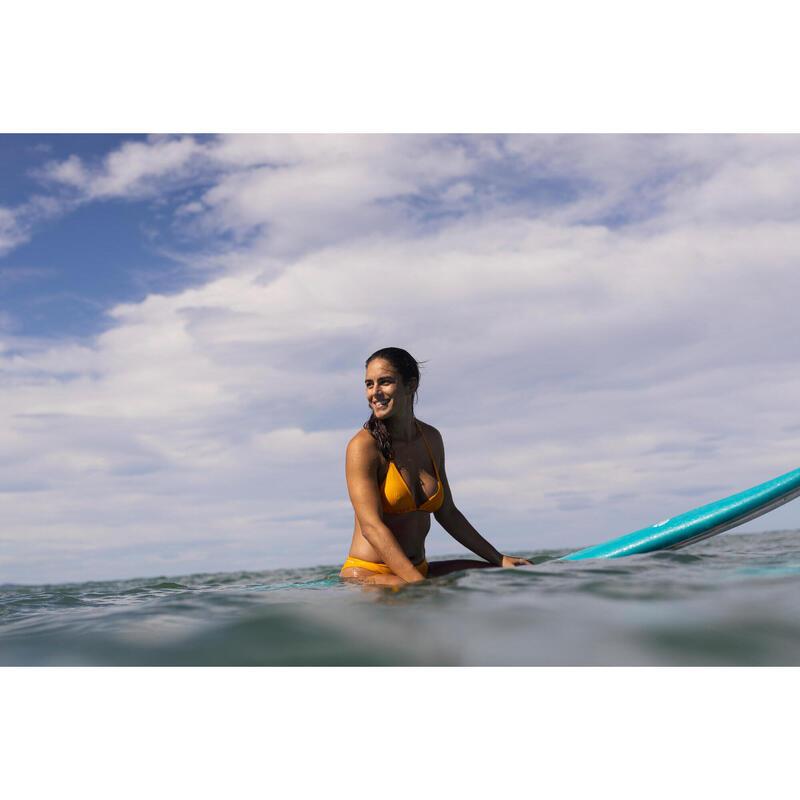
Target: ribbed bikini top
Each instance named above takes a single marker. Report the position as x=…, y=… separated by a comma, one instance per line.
x=397, y=498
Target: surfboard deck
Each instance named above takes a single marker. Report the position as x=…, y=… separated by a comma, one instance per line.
x=700, y=523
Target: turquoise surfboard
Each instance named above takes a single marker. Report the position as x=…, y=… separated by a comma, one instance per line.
x=692, y=526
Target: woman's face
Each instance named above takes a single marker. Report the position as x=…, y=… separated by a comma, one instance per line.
x=387, y=395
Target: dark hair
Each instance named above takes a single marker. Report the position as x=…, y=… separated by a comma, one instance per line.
x=408, y=369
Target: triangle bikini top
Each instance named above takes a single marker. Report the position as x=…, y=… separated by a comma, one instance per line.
x=397, y=498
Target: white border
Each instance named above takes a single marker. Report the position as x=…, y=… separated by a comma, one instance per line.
x=235, y=732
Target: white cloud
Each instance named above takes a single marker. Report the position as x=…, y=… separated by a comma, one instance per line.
x=587, y=378
x=304, y=191
x=18, y=224
x=70, y=171
x=12, y=232
x=133, y=170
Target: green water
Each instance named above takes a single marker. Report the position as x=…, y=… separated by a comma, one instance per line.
x=731, y=600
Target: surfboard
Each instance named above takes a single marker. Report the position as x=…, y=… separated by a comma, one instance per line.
x=700, y=523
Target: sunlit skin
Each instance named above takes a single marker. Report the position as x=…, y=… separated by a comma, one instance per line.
x=398, y=540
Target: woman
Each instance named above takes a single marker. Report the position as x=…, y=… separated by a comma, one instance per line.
x=396, y=479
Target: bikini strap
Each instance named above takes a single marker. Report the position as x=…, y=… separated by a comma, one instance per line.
x=430, y=453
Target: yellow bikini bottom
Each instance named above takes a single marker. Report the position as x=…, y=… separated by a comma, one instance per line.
x=383, y=569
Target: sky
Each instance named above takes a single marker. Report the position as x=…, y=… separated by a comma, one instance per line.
x=607, y=325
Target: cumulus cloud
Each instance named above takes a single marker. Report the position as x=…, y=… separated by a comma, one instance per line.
x=608, y=324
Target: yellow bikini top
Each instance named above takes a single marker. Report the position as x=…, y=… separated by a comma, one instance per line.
x=397, y=498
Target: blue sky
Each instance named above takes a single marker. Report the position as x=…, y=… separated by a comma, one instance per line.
x=77, y=260
x=608, y=324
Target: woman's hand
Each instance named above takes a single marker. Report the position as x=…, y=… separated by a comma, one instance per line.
x=510, y=561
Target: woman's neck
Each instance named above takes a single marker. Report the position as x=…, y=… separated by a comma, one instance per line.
x=402, y=429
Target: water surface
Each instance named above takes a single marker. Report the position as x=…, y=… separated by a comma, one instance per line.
x=730, y=600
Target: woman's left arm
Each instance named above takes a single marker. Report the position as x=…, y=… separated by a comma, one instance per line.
x=459, y=527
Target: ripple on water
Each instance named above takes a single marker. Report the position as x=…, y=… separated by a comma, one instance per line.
x=731, y=600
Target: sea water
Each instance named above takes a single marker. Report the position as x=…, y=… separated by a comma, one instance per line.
x=730, y=600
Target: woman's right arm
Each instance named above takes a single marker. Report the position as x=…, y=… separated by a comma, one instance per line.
x=361, y=469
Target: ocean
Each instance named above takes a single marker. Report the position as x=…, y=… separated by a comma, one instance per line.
x=732, y=600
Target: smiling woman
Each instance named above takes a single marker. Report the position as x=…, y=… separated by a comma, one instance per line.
x=396, y=478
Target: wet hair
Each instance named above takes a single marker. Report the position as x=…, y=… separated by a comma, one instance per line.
x=408, y=369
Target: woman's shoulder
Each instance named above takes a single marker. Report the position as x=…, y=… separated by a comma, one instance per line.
x=363, y=444
x=431, y=434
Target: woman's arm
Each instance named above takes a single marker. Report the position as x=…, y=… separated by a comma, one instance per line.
x=459, y=527
x=361, y=469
